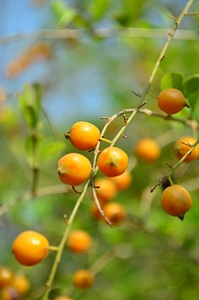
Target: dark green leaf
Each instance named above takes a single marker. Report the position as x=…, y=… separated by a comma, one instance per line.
x=130, y=13
x=172, y=80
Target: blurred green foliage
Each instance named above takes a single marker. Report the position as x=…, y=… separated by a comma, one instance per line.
x=152, y=255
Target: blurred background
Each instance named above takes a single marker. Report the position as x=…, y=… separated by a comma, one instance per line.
x=89, y=59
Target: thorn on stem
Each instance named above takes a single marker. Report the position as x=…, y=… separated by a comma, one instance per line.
x=125, y=118
x=124, y=136
x=142, y=104
x=153, y=189
x=136, y=94
x=65, y=219
x=169, y=165
x=191, y=14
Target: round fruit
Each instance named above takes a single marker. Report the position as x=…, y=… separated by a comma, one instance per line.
x=21, y=283
x=147, y=150
x=83, y=279
x=83, y=135
x=182, y=146
x=176, y=201
x=79, y=241
x=106, y=189
x=115, y=213
x=9, y=293
x=74, y=169
x=112, y=161
x=30, y=248
x=123, y=181
x=171, y=101
x=6, y=276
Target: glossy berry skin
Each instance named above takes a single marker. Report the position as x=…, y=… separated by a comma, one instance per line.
x=112, y=161
x=6, y=276
x=83, y=279
x=171, y=101
x=21, y=283
x=79, y=241
x=180, y=148
x=30, y=248
x=74, y=169
x=176, y=201
x=147, y=150
x=83, y=135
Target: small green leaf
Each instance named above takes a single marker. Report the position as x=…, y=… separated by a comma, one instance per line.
x=172, y=80
x=191, y=90
x=63, y=13
x=130, y=13
x=191, y=85
x=98, y=8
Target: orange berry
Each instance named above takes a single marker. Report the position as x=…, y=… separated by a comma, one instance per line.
x=176, y=201
x=123, y=181
x=83, y=279
x=6, y=276
x=147, y=150
x=9, y=293
x=115, y=213
x=171, y=101
x=21, y=283
x=83, y=135
x=106, y=189
x=74, y=169
x=79, y=241
x=182, y=146
x=112, y=161
x=30, y=248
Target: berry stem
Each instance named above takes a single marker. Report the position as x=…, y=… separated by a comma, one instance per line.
x=102, y=139
x=62, y=244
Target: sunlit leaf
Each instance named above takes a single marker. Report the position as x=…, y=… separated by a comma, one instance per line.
x=63, y=13
x=172, y=80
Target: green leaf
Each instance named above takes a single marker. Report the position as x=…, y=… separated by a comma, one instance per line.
x=63, y=13
x=30, y=103
x=191, y=92
x=98, y=9
x=191, y=85
x=130, y=13
x=49, y=149
x=172, y=80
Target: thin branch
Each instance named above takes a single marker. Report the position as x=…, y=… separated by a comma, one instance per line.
x=74, y=34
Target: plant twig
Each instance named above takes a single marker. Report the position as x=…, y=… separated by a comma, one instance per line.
x=62, y=244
